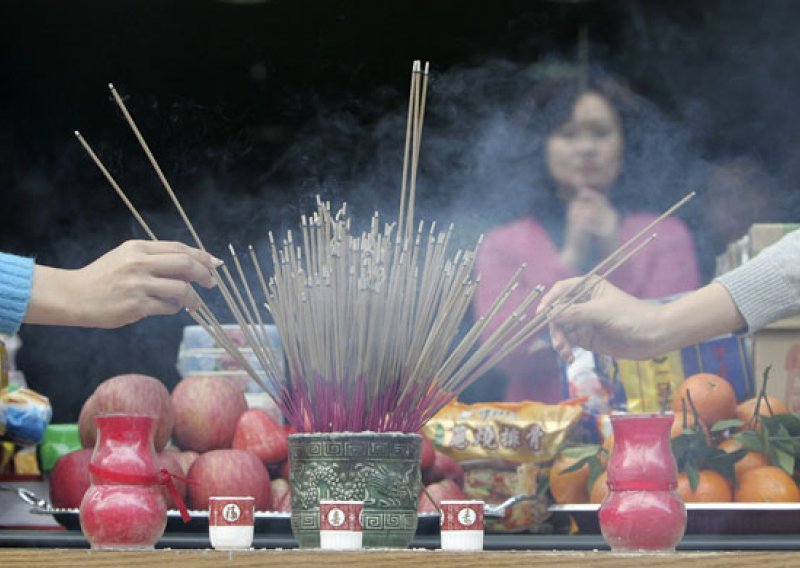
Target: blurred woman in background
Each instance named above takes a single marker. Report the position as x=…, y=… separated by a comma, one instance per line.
x=600, y=171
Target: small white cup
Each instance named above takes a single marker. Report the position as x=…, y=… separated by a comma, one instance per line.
x=340, y=525
x=230, y=522
x=462, y=525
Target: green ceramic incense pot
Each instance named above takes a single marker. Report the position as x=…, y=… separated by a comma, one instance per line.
x=381, y=469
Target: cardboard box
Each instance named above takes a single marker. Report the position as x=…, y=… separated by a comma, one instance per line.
x=778, y=345
x=758, y=237
x=761, y=235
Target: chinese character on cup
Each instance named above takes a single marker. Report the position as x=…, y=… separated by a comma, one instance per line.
x=462, y=525
x=230, y=522
x=340, y=525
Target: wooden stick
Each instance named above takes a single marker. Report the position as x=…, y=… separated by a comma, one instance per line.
x=156, y=166
x=407, y=149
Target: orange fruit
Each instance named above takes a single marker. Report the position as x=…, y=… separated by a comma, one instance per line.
x=599, y=489
x=747, y=409
x=749, y=461
x=713, y=397
x=568, y=487
x=767, y=484
x=712, y=487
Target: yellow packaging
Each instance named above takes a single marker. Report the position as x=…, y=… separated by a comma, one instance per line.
x=516, y=432
x=25, y=462
x=6, y=457
x=500, y=446
x=649, y=383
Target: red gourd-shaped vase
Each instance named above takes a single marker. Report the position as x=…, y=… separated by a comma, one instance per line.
x=642, y=511
x=124, y=506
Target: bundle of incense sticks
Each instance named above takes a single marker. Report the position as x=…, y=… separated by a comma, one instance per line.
x=368, y=322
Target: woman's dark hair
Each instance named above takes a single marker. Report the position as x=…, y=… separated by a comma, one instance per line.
x=656, y=151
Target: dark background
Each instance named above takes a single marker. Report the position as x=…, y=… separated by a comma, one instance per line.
x=254, y=107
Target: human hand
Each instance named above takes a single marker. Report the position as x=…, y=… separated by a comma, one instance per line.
x=605, y=320
x=592, y=228
x=135, y=280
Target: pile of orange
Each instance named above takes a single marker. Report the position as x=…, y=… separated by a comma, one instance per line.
x=756, y=480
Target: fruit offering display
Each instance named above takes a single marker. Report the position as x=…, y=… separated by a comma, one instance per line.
x=726, y=450
x=204, y=432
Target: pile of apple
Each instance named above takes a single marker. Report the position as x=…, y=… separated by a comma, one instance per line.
x=219, y=444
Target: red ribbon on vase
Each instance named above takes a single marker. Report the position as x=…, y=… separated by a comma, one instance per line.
x=163, y=477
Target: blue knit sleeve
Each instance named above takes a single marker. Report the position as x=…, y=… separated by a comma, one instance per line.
x=16, y=275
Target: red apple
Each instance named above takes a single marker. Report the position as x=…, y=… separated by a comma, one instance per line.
x=69, y=479
x=86, y=425
x=281, y=495
x=187, y=459
x=229, y=473
x=446, y=489
x=171, y=461
x=444, y=467
x=260, y=435
x=135, y=394
x=428, y=454
x=206, y=412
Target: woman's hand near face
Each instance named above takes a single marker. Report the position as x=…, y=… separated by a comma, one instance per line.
x=135, y=280
x=591, y=230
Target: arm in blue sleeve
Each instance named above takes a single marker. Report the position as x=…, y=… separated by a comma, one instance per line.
x=16, y=276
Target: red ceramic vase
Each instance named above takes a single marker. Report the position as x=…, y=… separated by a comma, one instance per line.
x=124, y=506
x=642, y=511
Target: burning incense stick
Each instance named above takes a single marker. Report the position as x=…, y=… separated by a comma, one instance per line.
x=203, y=316
x=369, y=322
